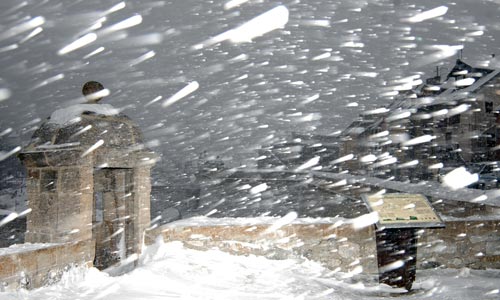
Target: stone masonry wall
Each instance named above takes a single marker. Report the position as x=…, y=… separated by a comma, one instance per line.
x=472, y=244
x=42, y=266
x=61, y=203
x=141, y=210
x=338, y=247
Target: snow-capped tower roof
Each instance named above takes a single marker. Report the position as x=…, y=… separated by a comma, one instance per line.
x=84, y=125
x=89, y=128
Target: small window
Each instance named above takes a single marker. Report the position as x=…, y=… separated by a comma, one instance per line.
x=129, y=181
x=448, y=137
x=488, y=107
x=454, y=119
x=49, y=181
x=33, y=179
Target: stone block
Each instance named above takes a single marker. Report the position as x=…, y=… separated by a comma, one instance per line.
x=368, y=248
x=493, y=247
x=482, y=237
x=308, y=231
x=455, y=262
x=349, y=250
x=70, y=180
x=45, y=259
x=63, y=158
x=8, y=266
x=452, y=229
x=477, y=226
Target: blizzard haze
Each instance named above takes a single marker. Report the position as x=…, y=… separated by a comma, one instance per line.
x=228, y=77
x=189, y=74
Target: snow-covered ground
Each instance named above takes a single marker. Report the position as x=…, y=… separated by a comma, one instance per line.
x=170, y=271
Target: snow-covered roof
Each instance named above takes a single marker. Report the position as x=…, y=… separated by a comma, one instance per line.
x=462, y=93
x=449, y=90
x=462, y=68
x=83, y=126
x=70, y=115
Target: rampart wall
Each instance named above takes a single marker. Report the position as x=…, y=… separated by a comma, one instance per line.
x=35, y=265
x=337, y=245
x=471, y=244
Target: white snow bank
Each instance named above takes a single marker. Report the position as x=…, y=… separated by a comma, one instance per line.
x=26, y=247
x=170, y=271
x=71, y=114
x=207, y=221
x=459, y=178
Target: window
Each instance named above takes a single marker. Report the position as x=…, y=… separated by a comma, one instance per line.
x=454, y=120
x=48, y=181
x=488, y=106
x=448, y=137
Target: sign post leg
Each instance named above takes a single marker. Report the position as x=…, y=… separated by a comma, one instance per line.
x=397, y=256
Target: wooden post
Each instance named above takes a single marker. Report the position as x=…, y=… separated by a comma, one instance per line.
x=397, y=256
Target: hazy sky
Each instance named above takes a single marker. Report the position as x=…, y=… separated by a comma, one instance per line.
x=331, y=61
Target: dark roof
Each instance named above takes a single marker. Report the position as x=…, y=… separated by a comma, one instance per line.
x=462, y=66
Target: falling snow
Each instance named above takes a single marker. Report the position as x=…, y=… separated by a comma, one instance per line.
x=225, y=90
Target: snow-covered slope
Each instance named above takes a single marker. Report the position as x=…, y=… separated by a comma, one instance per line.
x=170, y=271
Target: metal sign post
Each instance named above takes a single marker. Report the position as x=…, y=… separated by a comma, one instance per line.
x=400, y=216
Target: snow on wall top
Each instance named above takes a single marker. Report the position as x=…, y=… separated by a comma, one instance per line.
x=26, y=247
x=71, y=114
x=290, y=218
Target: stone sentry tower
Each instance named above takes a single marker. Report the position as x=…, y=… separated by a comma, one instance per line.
x=89, y=179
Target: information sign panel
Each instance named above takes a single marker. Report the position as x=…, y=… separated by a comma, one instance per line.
x=397, y=210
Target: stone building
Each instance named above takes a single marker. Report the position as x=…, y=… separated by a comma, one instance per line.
x=459, y=113
x=89, y=179
x=463, y=112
